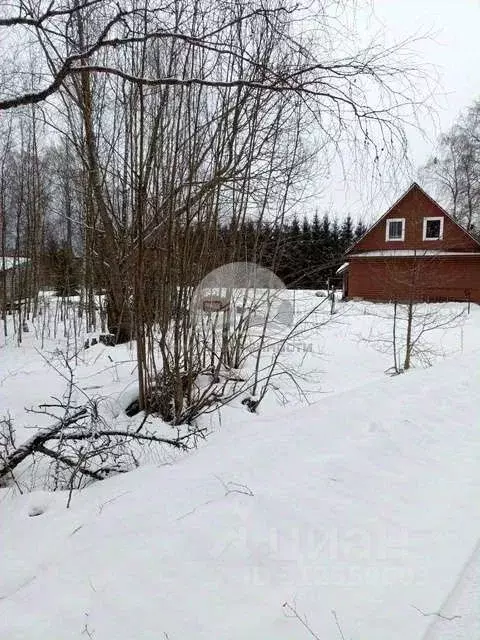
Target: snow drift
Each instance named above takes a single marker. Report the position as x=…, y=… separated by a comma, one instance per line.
x=364, y=504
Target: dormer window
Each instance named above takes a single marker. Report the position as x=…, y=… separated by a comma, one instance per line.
x=432, y=228
x=395, y=229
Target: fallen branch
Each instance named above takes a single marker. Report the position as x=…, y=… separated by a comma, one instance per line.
x=95, y=475
x=83, y=446
x=133, y=435
x=37, y=441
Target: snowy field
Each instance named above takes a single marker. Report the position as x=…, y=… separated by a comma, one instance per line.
x=347, y=508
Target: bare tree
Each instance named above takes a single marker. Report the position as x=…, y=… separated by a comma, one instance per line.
x=454, y=171
x=182, y=115
x=414, y=318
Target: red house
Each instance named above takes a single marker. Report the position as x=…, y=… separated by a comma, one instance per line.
x=414, y=252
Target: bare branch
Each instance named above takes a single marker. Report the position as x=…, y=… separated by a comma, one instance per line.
x=38, y=440
x=436, y=613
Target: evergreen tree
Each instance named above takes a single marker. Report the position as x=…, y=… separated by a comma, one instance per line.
x=325, y=238
x=294, y=228
x=346, y=233
x=310, y=250
x=311, y=258
x=325, y=230
x=318, y=237
x=360, y=230
x=335, y=245
x=306, y=261
x=274, y=250
x=293, y=252
x=316, y=230
x=306, y=230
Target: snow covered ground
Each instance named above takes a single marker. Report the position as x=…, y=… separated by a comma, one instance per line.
x=359, y=511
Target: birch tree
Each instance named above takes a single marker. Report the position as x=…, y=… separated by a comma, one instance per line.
x=454, y=171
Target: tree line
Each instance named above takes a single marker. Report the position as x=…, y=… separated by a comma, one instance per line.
x=304, y=252
x=44, y=220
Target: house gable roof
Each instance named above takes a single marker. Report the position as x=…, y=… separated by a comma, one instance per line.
x=467, y=237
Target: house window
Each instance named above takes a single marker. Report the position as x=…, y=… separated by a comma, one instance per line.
x=395, y=229
x=432, y=228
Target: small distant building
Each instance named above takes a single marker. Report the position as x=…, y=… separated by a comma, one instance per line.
x=415, y=252
x=12, y=270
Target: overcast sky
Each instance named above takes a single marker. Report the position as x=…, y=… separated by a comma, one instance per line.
x=453, y=48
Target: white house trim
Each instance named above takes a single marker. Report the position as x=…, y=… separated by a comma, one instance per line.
x=342, y=268
x=418, y=253
x=387, y=230
x=433, y=219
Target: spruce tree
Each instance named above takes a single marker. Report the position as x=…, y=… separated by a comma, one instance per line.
x=336, y=249
x=316, y=229
x=360, y=230
x=346, y=233
x=326, y=236
x=305, y=258
x=324, y=250
x=317, y=253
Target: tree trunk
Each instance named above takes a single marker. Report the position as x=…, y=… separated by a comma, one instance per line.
x=408, y=343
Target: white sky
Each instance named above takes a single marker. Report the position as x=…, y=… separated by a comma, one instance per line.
x=453, y=49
